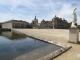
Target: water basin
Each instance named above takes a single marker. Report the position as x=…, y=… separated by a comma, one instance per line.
x=15, y=46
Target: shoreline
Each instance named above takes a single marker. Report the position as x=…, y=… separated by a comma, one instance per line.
x=60, y=35
x=54, y=54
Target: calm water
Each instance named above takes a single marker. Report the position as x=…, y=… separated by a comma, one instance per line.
x=13, y=45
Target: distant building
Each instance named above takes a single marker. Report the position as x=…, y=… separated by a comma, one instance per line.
x=59, y=23
x=15, y=24
x=56, y=23
x=34, y=23
x=46, y=24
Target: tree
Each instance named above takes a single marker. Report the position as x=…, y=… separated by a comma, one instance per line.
x=69, y=24
x=79, y=27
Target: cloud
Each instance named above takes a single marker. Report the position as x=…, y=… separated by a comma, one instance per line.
x=44, y=9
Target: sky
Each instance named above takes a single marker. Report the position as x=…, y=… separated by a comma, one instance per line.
x=43, y=9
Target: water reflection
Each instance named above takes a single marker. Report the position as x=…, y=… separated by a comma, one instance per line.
x=13, y=45
x=12, y=35
x=0, y=33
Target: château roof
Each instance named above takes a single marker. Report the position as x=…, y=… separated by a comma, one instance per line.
x=58, y=19
x=14, y=21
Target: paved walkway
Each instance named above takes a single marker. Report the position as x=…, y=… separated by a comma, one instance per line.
x=59, y=35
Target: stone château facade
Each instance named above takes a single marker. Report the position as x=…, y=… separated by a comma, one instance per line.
x=46, y=24
x=59, y=23
x=34, y=23
x=15, y=24
x=56, y=23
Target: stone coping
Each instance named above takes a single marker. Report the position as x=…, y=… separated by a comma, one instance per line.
x=54, y=54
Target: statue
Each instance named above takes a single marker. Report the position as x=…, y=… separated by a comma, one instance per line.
x=74, y=19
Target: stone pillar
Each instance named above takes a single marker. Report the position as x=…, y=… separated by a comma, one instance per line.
x=73, y=35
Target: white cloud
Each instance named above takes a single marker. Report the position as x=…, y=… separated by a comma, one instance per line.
x=44, y=9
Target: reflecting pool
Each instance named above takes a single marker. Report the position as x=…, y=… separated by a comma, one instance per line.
x=14, y=46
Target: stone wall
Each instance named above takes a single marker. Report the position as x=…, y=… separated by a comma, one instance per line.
x=7, y=25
